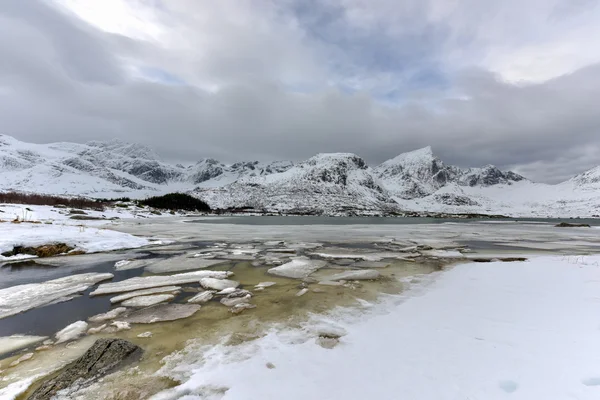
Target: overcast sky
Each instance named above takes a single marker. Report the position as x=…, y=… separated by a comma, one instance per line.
x=512, y=83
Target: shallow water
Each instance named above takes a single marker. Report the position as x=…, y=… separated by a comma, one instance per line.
x=319, y=220
x=274, y=304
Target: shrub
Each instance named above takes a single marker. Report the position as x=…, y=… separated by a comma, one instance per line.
x=48, y=200
x=176, y=201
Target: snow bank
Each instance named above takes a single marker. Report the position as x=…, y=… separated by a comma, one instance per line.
x=526, y=330
x=90, y=240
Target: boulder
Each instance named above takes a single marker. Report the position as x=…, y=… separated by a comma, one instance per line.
x=104, y=357
x=569, y=225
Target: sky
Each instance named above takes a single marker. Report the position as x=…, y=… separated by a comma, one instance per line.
x=511, y=83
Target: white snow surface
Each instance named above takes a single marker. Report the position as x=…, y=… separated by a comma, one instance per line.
x=88, y=239
x=490, y=331
x=20, y=298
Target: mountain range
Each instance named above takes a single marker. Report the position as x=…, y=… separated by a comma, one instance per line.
x=330, y=184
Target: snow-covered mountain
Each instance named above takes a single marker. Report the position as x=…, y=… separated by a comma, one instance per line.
x=337, y=183
x=111, y=169
x=325, y=184
x=419, y=173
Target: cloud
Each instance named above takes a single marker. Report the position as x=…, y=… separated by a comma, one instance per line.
x=270, y=79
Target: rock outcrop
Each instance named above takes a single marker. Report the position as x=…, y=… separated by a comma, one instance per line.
x=105, y=356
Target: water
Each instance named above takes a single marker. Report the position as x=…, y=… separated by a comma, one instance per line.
x=319, y=220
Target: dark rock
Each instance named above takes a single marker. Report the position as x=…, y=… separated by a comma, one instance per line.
x=104, y=357
x=77, y=212
x=568, y=225
x=47, y=250
x=86, y=217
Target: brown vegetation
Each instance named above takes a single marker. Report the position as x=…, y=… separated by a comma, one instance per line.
x=47, y=250
x=47, y=200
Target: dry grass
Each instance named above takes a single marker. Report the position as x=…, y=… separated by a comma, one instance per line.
x=47, y=200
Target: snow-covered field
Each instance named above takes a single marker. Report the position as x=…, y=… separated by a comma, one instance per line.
x=41, y=225
x=527, y=330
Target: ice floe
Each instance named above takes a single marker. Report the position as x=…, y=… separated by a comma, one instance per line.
x=181, y=263
x=298, y=268
x=146, y=301
x=112, y=314
x=8, y=344
x=202, y=297
x=24, y=357
x=162, y=312
x=264, y=284
x=144, y=282
x=145, y=292
x=71, y=332
x=355, y=275
x=238, y=308
x=16, y=299
x=218, y=284
x=232, y=301
x=125, y=265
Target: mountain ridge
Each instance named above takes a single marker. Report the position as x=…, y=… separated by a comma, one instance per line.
x=327, y=183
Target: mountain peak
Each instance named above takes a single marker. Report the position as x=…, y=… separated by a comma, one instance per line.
x=590, y=176
x=329, y=159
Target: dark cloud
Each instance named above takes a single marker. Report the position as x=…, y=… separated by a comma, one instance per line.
x=63, y=80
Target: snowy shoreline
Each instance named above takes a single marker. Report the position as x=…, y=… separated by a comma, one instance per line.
x=478, y=331
x=449, y=324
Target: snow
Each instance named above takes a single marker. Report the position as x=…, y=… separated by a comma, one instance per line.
x=20, y=298
x=8, y=344
x=146, y=301
x=298, y=268
x=146, y=282
x=12, y=391
x=490, y=331
x=144, y=292
x=88, y=239
x=71, y=332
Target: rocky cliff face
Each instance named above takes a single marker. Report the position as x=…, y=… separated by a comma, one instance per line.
x=324, y=184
